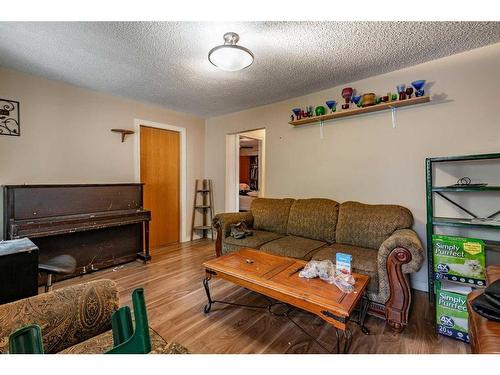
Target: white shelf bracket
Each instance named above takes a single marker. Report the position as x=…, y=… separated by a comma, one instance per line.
x=394, y=117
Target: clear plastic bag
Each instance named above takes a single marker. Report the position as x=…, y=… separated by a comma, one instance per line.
x=325, y=270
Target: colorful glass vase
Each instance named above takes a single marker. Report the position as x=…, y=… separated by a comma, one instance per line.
x=401, y=91
x=332, y=105
x=346, y=94
x=418, y=85
x=320, y=110
x=409, y=91
x=368, y=99
x=356, y=99
x=298, y=113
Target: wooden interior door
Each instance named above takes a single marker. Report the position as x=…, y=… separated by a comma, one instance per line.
x=160, y=173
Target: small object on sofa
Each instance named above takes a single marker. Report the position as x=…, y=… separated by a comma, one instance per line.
x=239, y=230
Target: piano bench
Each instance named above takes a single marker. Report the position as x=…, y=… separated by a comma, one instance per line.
x=59, y=265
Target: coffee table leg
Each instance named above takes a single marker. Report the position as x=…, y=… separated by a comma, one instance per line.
x=208, y=306
x=365, y=303
x=337, y=339
x=347, y=336
x=347, y=340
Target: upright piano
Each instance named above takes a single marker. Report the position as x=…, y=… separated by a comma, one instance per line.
x=100, y=225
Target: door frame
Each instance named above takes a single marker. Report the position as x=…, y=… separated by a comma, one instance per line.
x=232, y=180
x=182, y=167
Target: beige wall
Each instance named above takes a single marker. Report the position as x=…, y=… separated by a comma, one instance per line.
x=66, y=138
x=363, y=158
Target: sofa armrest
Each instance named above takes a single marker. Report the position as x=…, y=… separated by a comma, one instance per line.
x=406, y=239
x=66, y=316
x=222, y=224
x=402, y=253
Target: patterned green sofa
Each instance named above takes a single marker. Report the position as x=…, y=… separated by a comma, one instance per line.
x=74, y=320
x=379, y=237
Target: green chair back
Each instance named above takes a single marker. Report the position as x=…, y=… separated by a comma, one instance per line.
x=26, y=340
x=126, y=339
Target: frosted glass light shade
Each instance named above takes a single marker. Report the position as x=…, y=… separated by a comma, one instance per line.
x=230, y=57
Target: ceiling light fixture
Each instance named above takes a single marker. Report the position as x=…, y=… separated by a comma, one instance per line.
x=229, y=56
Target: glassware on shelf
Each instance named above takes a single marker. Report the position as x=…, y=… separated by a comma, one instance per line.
x=418, y=85
x=332, y=105
x=401, y=91
x=346, y=94
x=356, y=100
x=368, y=99
x=409, y=91
x=320, y=110
x=298, y=113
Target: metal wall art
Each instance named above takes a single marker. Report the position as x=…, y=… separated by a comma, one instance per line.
x=9, y=117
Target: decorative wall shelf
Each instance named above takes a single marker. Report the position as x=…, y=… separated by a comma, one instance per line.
x=359, y=111
x=123, y=132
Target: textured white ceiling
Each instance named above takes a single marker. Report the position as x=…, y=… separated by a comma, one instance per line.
x=166, y=62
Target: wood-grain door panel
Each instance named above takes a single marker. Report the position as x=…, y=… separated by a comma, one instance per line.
x=160, y=173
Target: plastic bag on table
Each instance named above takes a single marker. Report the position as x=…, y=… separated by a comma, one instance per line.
x=344, y=281
x=325, y=270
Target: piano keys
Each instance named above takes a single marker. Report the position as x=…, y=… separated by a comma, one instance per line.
x=100, y=225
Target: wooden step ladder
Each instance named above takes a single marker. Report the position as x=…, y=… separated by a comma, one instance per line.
x=203, y=188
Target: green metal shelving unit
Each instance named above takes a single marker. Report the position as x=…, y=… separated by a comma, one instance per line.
x=433, y=221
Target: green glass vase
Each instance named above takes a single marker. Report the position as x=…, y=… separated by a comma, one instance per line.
x=320, y=110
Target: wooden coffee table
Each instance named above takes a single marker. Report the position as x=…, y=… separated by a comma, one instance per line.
x=277, y=277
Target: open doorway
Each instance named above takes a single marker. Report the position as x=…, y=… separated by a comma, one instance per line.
x=245, y=172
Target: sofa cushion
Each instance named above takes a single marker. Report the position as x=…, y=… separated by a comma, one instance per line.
x=292, y=246
x=259, y=238
x=368, y=225
x=314, y=218
x=271, y=214
x=364, y=261
x=104, y=342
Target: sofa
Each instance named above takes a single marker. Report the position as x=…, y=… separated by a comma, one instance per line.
x=379, y=238
x=74, y=320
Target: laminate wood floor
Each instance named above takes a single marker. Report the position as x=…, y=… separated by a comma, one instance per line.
x=175, y=299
